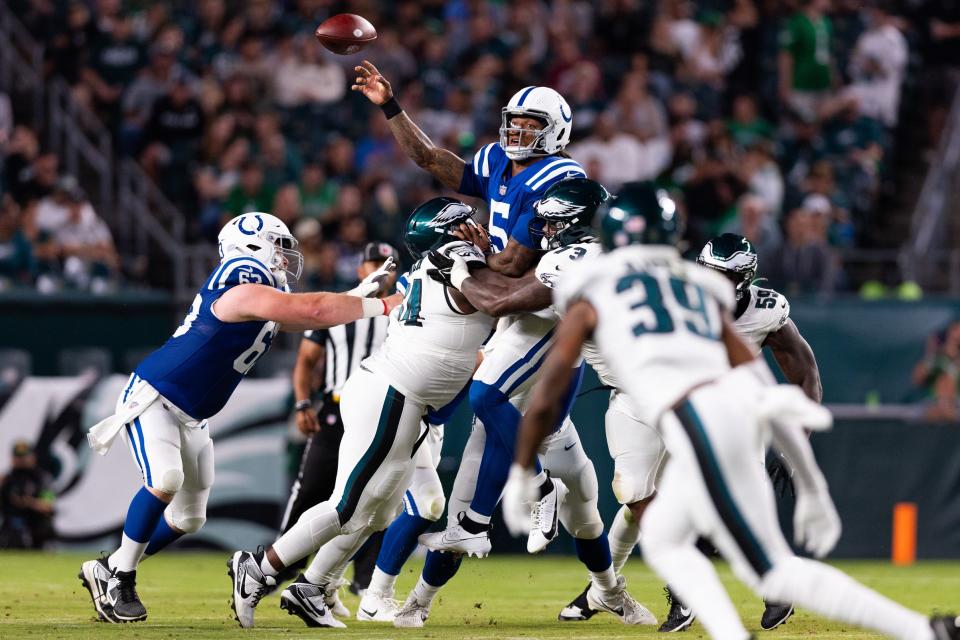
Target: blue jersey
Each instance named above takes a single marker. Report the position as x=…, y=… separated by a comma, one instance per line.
x=511, y=199
x=198, y=368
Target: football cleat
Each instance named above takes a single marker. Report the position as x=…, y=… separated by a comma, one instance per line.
x=412, y=615
x=308, y=602
x=249, y=585
x=578, y=609
x=620, y=603
x=456, y=539
x=774, y=615
x=545, y=517
x=680, y=616
x=333, y=601
x=122, y=597
x=377, y=607
x=945, y=627
x=95, y=575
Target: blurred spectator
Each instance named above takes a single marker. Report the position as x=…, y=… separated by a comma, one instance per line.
x=151, y=84
x=286, y=204
x=805, y=62
x=116, y=58
x=6, y=123
x=747, y=127
x=317, y=194
x=614, y=157
x=250, y=194
x=805, y=263
x=352, y=237
x=939, y=23
x=19, y=165
x=938, y=373
x=303, y=75
x=17, y=265
x=754, y=222
x=27, y=503
x=172, y=133
x=90, y=261
x=877, y=66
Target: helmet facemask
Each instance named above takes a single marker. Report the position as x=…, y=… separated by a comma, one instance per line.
x=286, y=259
x=537, y=146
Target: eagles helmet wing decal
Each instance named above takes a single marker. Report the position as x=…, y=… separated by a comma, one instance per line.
x=557, y=208
x=445, y=216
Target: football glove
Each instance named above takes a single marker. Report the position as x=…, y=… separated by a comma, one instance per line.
x=519, y=494
x=781, y=475
x=816, y=524
x=442, y=266
x=373, y=284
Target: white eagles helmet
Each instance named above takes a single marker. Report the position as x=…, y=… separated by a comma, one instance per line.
x=264, y=237
x=544, y=104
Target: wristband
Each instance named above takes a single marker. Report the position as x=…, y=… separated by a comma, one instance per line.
x=391, y=108
x=373, y=307
x=302, y=405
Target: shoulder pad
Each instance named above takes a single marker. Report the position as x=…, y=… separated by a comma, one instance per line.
x=466, y=250
x=773, y=305
x=558, y=262
x=240, y=270
x=485, y=158
x=558, y=169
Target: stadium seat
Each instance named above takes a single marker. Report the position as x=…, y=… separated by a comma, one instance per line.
x=80, y=360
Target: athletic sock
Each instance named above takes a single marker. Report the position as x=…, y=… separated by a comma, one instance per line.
x=425, y=593
x=399, y=541
x=332, y=558
x=835, y=595
x=145, y=512
x=382, y=583
x=624, y=536
x=439, y=568
x=318, y=525
x=162, y=537
x=474, y=522
x=544, y=484
x=595, y=555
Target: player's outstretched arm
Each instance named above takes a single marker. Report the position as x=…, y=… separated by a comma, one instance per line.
x=546, y=399
x=298, y=311
x=796, y=359
x=515, y=259
x=498, y=295
x=444, y=165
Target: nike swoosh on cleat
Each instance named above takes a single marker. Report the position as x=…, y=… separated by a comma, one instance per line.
x=370, y=613
x=685, y=612
x=242, y=578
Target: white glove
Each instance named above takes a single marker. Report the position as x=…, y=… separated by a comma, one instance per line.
x=373, y=283
x=459, y=272
x=787, y=402
x=519, y=494
x=816, y=525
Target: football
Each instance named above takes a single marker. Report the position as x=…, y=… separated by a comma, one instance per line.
x=346, y=33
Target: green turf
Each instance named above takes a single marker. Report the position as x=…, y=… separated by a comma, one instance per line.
x=507, y=597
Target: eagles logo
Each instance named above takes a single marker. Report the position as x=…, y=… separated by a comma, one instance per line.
x=448, y=214
x=555, y=207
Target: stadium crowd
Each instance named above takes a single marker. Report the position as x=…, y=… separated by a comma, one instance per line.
x=774, y=119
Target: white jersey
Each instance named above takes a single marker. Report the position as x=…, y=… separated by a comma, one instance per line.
x=659, y=321
x=431, y=347
x=767, y=311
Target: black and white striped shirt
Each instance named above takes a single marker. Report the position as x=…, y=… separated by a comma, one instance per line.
x=346, y=346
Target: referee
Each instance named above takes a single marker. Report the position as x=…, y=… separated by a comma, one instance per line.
x=341, y=349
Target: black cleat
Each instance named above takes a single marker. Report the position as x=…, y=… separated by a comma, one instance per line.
x=774, y=615
x=578, y=609
x=680, y=617
x=122, y=597
x=945, y=627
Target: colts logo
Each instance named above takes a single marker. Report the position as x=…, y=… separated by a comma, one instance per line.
x=246, y=232
x=563, y=115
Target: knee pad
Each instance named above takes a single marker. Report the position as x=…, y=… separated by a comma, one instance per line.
x=189, y=518
x=483, y=396
x=425, y=496
x=628, y=489
x=579, y=514
x=170, y=481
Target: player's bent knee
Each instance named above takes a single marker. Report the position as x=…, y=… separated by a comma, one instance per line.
x=484, y=396
x=626, y=488
x=170, y=481
x=588, y=530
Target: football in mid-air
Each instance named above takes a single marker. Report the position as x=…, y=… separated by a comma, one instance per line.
x=346, y=33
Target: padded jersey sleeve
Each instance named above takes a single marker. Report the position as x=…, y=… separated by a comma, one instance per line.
x=534, y=187
x=236, y=271
x=555, y=264
x=476, y=174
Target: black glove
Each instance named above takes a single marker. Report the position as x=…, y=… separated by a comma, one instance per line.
x=780, y=475
x=443, y=265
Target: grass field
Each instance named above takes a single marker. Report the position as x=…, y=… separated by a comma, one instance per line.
x=508, y=597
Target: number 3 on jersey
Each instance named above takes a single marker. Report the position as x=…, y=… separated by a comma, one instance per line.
x=410, y=314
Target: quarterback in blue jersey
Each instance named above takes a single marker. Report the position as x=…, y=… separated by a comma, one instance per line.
x=511, y=175
x=163, y=411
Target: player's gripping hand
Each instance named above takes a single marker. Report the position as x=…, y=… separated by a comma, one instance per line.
x=816, y=524
x=475, y=234
x=371, y=83
x=519, y=494
x=451, y=270
x=373, y=284
x=307, y=422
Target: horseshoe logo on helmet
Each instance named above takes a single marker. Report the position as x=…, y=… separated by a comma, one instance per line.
x=250, y=233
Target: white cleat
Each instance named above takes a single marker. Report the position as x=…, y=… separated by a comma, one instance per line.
x=545, y=518
x=412, y=615
x=333, y=601
x=377, y=607
x=95, y=576
x=308, y=602
x=620, y=603
x=249, y=585
x=456, y=539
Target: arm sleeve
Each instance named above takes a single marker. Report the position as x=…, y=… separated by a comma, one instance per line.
x=476, y=174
